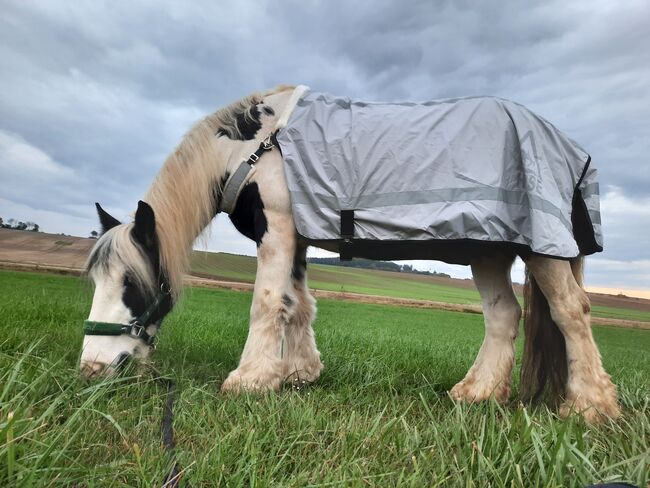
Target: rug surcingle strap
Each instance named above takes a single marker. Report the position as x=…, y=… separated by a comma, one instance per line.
x=347, y=235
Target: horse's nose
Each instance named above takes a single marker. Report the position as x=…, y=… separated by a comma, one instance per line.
x=92, y=369
x=95, y=369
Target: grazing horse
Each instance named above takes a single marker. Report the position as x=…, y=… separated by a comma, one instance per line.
x=137, y=269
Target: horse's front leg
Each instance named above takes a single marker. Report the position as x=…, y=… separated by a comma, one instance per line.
x=301, y=355
x=262, y=365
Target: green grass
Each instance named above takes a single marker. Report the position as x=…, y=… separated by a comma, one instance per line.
x=620, y=313
x=379, y=416
x=370, y=282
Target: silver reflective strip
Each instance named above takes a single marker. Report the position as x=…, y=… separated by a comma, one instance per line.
x=455, y=195
x=589, y=190
x=233, y=187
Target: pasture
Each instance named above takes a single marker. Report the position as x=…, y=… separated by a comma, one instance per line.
x=224, y=266
x=379, y=416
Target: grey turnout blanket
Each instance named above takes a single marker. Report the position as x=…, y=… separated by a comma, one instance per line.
x=446, y=179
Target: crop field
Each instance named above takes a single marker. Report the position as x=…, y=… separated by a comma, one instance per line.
x=379, y=415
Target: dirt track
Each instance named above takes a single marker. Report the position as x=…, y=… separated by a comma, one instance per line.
x=32, y=251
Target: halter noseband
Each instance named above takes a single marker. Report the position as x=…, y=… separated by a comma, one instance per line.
x=137, y=328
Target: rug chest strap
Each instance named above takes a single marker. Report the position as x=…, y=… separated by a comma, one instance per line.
x=239, y=178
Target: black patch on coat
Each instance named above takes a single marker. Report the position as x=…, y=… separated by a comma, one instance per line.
x=287, y=300
x=133, y=297
x=247, y=124
x=136, y=299
x=299, y=265
x=248, y=216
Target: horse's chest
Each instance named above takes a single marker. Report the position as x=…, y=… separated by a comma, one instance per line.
x=248, y=216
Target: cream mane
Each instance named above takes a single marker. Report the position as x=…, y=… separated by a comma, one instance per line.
x=183, y=193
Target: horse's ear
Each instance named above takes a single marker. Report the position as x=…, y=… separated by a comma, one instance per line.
x=144, y=229
x=105, y=219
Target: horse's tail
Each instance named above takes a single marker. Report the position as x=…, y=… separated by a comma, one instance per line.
x=544, y=362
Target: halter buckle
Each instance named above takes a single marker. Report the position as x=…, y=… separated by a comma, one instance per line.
x=136, y=330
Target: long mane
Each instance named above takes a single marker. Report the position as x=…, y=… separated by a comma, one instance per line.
x=183, y=193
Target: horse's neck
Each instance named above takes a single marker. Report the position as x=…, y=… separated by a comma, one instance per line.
x=183, y=195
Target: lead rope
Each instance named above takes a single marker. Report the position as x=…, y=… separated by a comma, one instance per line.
x=172, y=480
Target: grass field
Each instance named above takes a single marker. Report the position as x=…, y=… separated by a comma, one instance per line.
x=371, y=282
x=379, y=416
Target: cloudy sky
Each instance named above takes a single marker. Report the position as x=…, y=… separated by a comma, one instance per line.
x=94, y=95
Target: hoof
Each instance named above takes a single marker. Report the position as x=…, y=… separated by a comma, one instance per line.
x=236, y=382
x=307, y=373
x=473, y=392
x=594, y=412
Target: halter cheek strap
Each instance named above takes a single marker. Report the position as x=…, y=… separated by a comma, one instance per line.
x=137, y=328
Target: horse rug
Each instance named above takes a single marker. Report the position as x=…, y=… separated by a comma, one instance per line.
x=447, y=179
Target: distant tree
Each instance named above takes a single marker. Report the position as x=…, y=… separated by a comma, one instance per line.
x=19, y=225
x=93, y=234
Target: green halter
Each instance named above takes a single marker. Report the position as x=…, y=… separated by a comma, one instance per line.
x=137, y=328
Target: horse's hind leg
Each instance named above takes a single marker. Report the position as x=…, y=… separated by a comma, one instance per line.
x=589, y=388
x=491, y=374
x=301, y=357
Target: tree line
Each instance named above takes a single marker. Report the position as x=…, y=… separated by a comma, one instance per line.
x=19, y=225
x=369, y=264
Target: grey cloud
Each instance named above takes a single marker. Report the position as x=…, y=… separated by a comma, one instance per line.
x=107, y=89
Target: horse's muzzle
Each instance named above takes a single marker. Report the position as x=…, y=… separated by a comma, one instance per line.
x=94, y=369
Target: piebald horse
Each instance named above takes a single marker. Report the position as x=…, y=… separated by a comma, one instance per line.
x=137, y=269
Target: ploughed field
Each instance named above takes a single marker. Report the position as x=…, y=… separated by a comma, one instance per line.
x=379, y=416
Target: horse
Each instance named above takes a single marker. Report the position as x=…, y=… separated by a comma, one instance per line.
x=137, y=269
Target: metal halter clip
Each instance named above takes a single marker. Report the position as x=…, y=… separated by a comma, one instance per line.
x=268, y=142
x=165, y=288
x=137, y=330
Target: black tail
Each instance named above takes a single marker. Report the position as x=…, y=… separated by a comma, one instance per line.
x=544, y=363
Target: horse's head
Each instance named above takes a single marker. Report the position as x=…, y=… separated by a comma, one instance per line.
x=131, y=293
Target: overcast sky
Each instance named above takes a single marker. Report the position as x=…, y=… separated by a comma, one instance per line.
x=94, y=95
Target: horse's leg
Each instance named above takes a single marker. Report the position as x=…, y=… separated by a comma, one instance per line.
x=261, y=366
x=490, y=376
x=589, y=388
x=302, y=358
